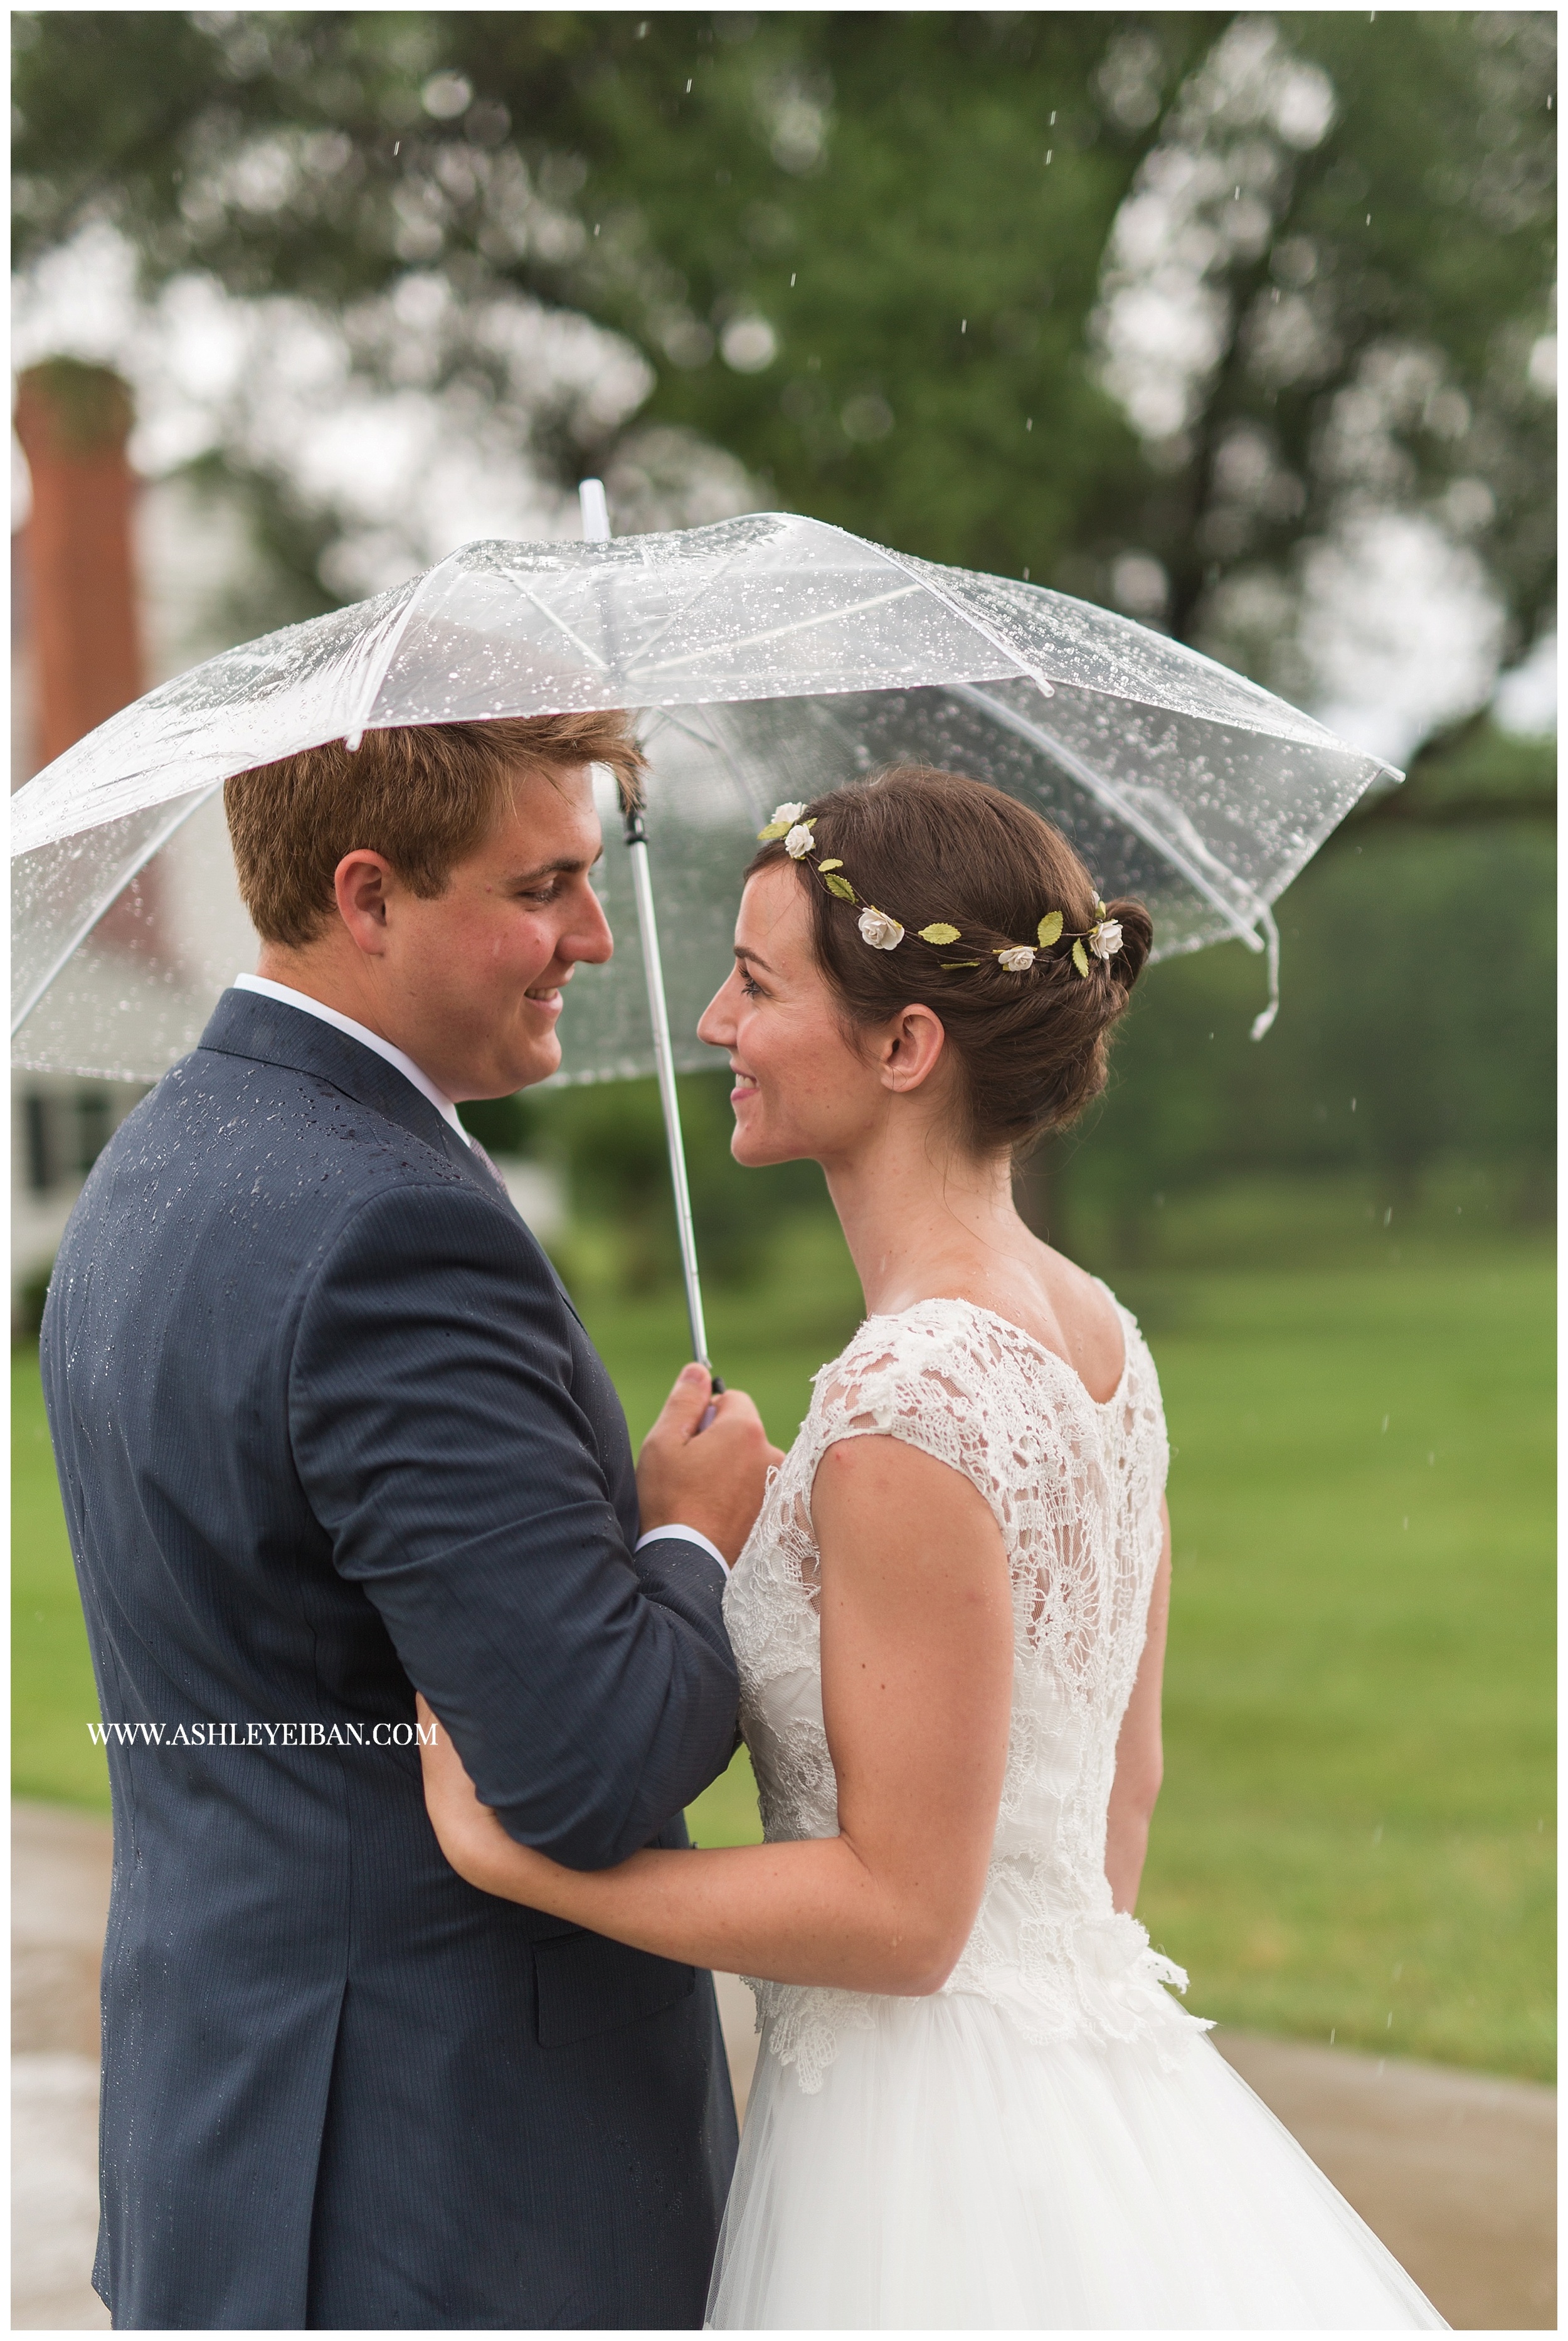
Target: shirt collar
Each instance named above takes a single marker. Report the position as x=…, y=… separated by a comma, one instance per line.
x=290, y=998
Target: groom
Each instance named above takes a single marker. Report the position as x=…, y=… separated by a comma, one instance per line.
x=329, y=1432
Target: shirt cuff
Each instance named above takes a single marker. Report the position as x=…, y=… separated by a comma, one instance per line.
x=688, y=1536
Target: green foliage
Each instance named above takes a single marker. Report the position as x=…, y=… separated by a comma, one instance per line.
x=1474, y=773
x=28, y=1314
x=1408, y=259
x=1417, y=1025
x=863, y=253
x=509, y=1125
x=53, y=1695
x=608, y=1139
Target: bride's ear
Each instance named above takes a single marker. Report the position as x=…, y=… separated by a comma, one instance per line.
x=911, y=1046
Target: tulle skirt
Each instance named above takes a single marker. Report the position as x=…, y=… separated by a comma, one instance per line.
x=948, y=2174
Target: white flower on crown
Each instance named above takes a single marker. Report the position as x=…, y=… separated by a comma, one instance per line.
x=1107, y=939
x=879, y=931
x=800, y=843
x=788, y=813
x=1018, y=959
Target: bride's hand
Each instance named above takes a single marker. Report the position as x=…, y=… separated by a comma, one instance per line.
x=468, y=1833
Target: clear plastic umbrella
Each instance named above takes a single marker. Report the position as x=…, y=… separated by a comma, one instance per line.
x=773, y=657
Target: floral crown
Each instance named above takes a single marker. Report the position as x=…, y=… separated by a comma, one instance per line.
x=1103, y=940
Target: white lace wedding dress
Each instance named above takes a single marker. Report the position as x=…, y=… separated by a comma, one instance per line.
x=1049, y=2140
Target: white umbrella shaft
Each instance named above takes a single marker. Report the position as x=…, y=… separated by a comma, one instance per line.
x=596, y=531
x=664, y=1059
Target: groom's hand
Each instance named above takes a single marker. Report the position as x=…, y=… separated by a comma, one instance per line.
x=708, y=1480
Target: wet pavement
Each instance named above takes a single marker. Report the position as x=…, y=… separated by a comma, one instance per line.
x=1455, y=2171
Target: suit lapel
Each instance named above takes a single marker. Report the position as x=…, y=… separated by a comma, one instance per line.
x=251, y=1024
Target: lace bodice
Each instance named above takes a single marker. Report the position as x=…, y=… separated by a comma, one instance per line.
x=1075, y=1488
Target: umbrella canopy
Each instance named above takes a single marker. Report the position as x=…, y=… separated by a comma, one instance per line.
x=773, y=657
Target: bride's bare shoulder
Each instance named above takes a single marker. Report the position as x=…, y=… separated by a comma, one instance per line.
x=1064, y=1309
x=1093, y=1339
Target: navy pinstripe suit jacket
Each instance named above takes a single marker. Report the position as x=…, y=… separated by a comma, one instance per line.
x=327, y=1427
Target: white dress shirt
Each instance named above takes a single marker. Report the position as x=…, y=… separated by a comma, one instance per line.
x=692, y=1535
x=448, y=1112
x=364, y=1035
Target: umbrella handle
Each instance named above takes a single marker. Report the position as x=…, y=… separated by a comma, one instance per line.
x=709, y=1411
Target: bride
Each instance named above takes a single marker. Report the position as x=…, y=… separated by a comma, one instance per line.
x=975, y=2104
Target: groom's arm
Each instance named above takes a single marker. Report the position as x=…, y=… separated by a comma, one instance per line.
x=591, y=1691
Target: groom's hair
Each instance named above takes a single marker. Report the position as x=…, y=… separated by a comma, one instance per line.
x=422, y=794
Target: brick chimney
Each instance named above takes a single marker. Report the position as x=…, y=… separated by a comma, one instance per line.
x=73, y=420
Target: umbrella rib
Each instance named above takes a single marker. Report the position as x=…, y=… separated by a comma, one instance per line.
x=353, y=737
x=772, y=633
x=546, y=612
x=697, y=599
x=1079, y=768
x=85, y=927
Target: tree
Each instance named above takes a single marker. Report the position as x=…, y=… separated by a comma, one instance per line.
x=1140, y=303
x=1239, y=322
x=857, y=252
x=1356, y=212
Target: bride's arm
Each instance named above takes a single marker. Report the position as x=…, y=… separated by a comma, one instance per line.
x=1141, y=1758
x=917, y=1684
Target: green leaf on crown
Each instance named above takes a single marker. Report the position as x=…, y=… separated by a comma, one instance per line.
x=774, y=829
x=948, y=963
x=1080, y=958
x=1049, y=929
x=840, y=886
x=940, y=934
x=832, y=862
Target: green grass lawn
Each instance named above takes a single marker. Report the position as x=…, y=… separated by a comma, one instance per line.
x=1355, y=1836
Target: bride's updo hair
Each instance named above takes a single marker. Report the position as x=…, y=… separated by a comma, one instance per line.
x=926, y=847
